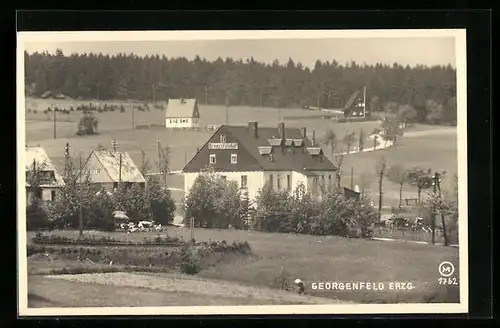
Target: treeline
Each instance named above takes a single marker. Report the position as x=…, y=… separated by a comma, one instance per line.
x=237, y=82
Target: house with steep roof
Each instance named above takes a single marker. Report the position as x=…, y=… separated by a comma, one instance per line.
x=253, y=155
x=182, y=113
x=108, y=168
x=41, y=171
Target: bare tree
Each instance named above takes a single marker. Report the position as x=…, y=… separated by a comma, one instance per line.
x=381, y=167
x=348, y=140
x=144, y=168
x=398, y=174
x=330, y=139
x=164, y=163
x=339, y=159
x=365, y=181
x=420, y=178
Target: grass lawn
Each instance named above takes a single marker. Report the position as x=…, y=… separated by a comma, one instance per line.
x=328, y=259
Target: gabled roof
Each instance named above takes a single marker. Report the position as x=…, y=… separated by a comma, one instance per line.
x=42, y=160
x=178, y=108
x=289, y=158
x=110, y=161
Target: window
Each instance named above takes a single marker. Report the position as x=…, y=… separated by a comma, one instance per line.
x=271, y=180
x=234, y=158
x=278, y=182
x=213, y=160
x=329, y=180
x=244, y=182
x=222, y=138
x=53, y=195
x=98, y=171
x=288, y=182
x=115, y=185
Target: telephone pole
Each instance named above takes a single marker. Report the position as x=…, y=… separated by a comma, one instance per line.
x=113, y=143
x=433, y=223
x=120, y=171
x=133, y=116
x=54, y=122
x=66, y=160
x=154, y=94
x=352, y=178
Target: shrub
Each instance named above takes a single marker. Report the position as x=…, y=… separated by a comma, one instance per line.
x=36, y=216
x=188, y=260
x=87, y=124
x=35, y=111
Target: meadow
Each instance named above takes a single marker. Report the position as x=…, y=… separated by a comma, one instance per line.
x=314, y=259
x=426, y=146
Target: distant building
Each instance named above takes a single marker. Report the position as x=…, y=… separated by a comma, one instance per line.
x=252, y=156
x=41, y=170
x=182, y=113
x=350, y=194
x=104, y=169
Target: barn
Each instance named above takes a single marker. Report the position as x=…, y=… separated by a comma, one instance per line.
x=182, y=113
x=253, y=155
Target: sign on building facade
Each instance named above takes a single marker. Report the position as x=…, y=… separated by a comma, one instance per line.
x=223, y=145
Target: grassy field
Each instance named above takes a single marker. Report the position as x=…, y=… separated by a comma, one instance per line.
x=327, y=259
x=422, y=145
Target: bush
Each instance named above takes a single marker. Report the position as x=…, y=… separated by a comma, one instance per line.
x=36, y=216
x=188, y=260
x=35, y=111
x=87, y=124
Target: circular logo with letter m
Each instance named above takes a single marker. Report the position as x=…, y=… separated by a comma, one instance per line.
x=446, y=269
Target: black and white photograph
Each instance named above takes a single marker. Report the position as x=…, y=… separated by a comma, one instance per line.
x=240, y=172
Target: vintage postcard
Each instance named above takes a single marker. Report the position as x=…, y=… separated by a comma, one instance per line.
x=242, y=172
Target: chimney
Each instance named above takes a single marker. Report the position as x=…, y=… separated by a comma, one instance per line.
x=281, y=130
x=314, y=138
x=304, y=132
x=253, y=128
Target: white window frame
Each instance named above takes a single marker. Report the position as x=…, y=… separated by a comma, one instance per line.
x=278, y=182
x=212, y=159
x=246, y=182
x=222, y=138
x=289, y=182
x=234, y=158
x=98, y=171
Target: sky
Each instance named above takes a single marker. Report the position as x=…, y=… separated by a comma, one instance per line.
x=405, y=51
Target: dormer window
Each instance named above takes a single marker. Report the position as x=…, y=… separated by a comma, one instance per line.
x=222, y=138
x=314, y=151
x=212, y=159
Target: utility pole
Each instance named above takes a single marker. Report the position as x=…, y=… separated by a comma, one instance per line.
x=318, y=98
x=120, y=171
x=433, y=222
x=352, y=177
x=227, y=105
x=206, y=95
x=113, y=143
x=54, y=123
x=443, y=222
x=154, y=94
x=364, y=101
x=66, y=160
x=133, y=116
x=97, y=91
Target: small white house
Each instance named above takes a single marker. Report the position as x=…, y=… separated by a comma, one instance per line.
x=40, y=168
x=182, y=113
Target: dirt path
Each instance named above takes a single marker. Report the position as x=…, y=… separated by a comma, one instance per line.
x=176, y=283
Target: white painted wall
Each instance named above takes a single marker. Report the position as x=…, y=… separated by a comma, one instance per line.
x=188, y=122
x=46, y=194
x=255, y=181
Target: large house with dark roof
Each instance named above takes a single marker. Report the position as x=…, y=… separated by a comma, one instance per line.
x=182, y=113
x=253, y=155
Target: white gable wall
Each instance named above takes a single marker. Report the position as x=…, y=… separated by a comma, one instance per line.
x=95, y=171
